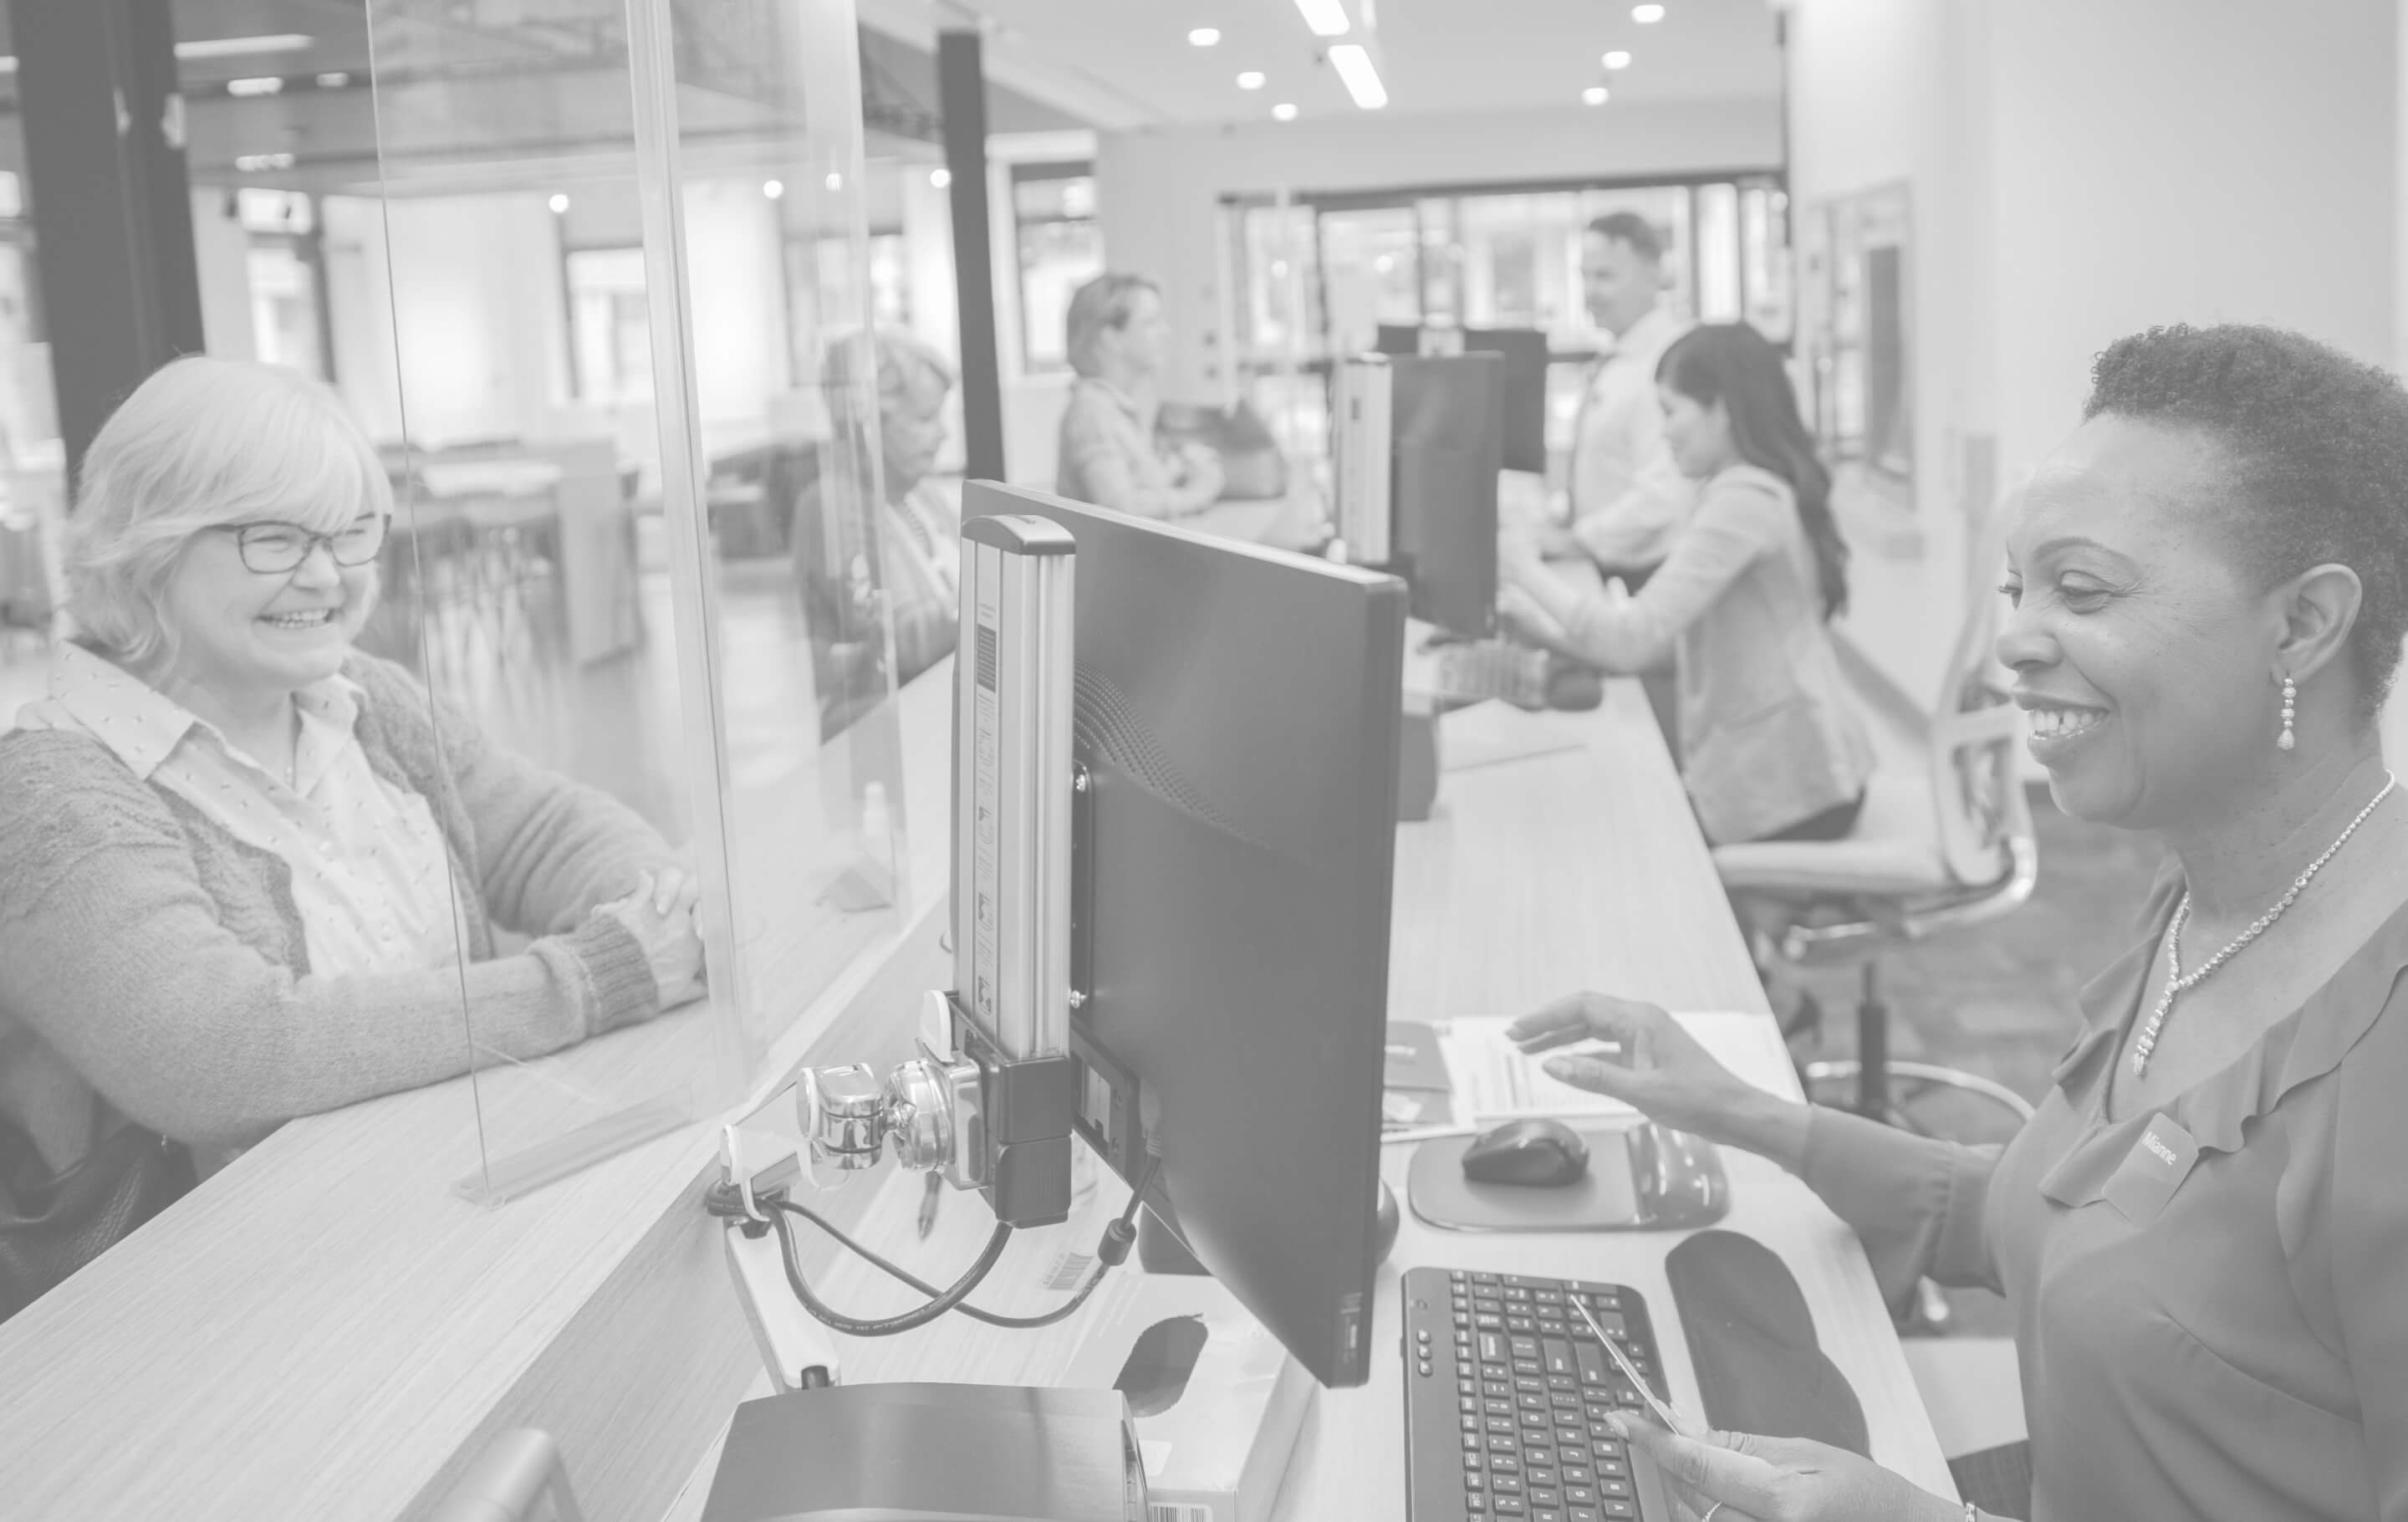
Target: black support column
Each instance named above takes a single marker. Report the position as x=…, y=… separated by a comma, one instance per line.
x=112, y=209
x=961, y=88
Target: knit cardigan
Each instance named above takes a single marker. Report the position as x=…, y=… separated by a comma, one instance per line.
x=153, y=967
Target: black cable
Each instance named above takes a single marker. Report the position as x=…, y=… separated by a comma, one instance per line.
x=1114, y=1249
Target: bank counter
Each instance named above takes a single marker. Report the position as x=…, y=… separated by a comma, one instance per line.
x=327, y=1330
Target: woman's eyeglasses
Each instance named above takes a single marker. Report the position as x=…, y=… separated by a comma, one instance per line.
x=278, y=549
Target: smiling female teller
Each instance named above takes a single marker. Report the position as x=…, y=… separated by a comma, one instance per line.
x=2202, y=1234
x=243, y=862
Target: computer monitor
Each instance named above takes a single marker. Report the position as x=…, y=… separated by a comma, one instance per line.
x=1446, y=418
x=1394, y=338
x=1237, y=719
x=1524, y=353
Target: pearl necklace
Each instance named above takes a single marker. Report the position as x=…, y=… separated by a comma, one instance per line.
x=2179, y=982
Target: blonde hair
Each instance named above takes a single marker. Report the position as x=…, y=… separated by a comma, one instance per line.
x=203, y=443
x=1107, y=301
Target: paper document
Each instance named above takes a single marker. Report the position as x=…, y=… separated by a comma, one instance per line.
x=1495, y=1079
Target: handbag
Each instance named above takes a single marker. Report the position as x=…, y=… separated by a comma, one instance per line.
x=53, y=1223
x=1251, y=465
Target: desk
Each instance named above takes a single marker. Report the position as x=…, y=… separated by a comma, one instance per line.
x=1534, y=877
x=327, y=1332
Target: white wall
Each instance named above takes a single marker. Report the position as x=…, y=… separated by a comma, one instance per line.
x=2248, y=173
x=1157, y=192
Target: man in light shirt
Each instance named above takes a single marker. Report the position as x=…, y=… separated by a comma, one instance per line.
x=1627, y=498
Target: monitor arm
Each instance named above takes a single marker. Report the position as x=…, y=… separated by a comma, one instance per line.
x=990, y=1097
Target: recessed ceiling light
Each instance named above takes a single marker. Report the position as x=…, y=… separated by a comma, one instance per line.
x=1285, y=111
x=1353, y=63
x=1250, y=79
x=773, y=188
x=1647, y=15
x=1204, y=36
x=264, y=84
x=1594, y=95
x=1327, y=18
x=835, y=181
x=1617, y=59
x=559, y=204
x=941, y=179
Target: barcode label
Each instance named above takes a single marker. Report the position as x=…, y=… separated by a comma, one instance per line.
x=1068, y=1271
x=987, y=656
x=1162, y=1511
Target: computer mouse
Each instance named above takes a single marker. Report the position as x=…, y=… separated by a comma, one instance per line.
x=1384, y=1224
x=1541, y=1153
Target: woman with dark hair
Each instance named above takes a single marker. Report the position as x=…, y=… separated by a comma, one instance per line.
x=1770, y=746
x=2201, y=1235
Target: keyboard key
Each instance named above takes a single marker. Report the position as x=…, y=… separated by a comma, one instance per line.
x=1507, y=1485
x=1558, y=1356
x=1474, y=1479
x=1582, y=1513
x=1579, y=1495
x=1578, y=1473
x=1510, y=1506
x=1618, y=1508
x=1539, y=1496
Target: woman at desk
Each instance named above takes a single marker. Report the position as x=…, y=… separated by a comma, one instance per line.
x=1771, y=749
x=2201, y=1233
x=251, y=872
x=1110, y=454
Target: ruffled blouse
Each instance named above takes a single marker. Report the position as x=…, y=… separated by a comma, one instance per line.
x=2221, y=1334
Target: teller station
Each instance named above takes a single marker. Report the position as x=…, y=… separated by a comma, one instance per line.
x=1169, y=1160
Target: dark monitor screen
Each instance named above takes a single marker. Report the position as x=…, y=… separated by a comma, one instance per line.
x=1236, y=715
x=1397, y=338
x=1446, y=423
x=1524, y=352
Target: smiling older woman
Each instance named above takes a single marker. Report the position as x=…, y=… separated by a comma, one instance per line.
x=2201, y=1234
x=244, y=863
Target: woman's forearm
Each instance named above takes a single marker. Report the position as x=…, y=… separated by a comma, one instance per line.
x=1771, y=1126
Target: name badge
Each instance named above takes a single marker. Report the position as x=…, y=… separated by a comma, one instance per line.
x=2158, y=1164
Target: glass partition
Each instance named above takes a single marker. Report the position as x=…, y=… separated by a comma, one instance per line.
x=635, y=548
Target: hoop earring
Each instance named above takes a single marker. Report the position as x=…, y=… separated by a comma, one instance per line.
x=2284, y=740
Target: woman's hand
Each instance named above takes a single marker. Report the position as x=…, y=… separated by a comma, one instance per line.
x=660, y=915
x=1754, y=1479
x=1663, y=1073
x=1524, y=619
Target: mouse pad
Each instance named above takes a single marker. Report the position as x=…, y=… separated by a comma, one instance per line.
x=1760, y=1368
x=1602, y=1199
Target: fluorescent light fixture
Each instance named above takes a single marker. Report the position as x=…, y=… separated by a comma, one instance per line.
x=1647, y=15
x=1362, y=82
x=253, y=164
x=265, y=85
x=559, y=205
x=280, y=42
x=941, y=179
x=1327, y=18
x=1251, y=79
x=1285, y=111
x=333, y=79
x=1617, y=59
x=1594, y=95
x=773, y=188
x=1204, y=36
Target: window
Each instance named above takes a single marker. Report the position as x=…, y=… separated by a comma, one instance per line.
x=609, y=338
x=1053, y=206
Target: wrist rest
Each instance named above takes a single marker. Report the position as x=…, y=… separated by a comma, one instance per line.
x=1752, y=1339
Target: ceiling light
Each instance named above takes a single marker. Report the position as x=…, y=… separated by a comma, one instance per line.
x=773, y=188
x=333, y=79
x=265, y=85
x=1285, y=111
x=559, y=205
x=1204, y=36
x=941, y=179
x=1362, y=82
x=1617, y=59
x=281, y=42
x=253, y=164
x=1250, y=79
x=1647, y=15
x=1594, y=95
x=835, y=181
x=1327, y=18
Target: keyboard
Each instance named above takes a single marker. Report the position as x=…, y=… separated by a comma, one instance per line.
x=1506, y=1394
x=1483, y=668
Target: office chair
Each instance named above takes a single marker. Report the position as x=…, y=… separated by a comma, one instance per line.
x=1945, y=847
